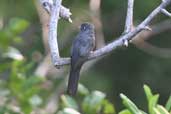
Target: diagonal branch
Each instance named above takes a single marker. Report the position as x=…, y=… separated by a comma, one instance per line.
x=106, y=49
x=120, y=42
x=129, y=17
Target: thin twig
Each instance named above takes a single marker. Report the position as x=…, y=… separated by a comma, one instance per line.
x=129, y=17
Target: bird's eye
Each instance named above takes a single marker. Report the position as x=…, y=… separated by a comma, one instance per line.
x=84, y=28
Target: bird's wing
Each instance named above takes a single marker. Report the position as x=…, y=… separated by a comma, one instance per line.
x=86, y=46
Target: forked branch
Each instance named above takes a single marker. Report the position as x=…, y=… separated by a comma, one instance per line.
x=121, y=41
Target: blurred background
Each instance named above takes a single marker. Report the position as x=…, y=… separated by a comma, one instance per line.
x=26, y=71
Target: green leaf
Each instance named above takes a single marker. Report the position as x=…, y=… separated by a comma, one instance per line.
x=156, y=111
x=125, y=111
x=4, y=92
x=130, y=105
x=108, y=108
x=25, y=107
x=143, y=112
x=31, y=82
x=93, y=102
x=35, y=101
x=152, y=103
x=148, y=92
x=162, y=110
x=168, y=104
x=18, y=39
x=82, y=90
x=4, y=66
x=68, y=111
x=68, y=102
x=6, y=110
x=4, y=39
x=18, y=25
x=13, y=53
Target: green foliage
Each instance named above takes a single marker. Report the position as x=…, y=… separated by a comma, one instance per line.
x=108, y=107
x=6, y=110
x=67, y=101
x=17, y=26
x=92, y=103
x=96, y=103
x=148, y=92
x=126, y=111
x=130, y=105
x=20, y=85
x=153, y=106
x=168, y=104
x=68, y=111
x=82, y=90
x=24, y=87
x=10, y=34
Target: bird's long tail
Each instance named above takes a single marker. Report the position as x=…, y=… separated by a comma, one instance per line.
x=73, y=81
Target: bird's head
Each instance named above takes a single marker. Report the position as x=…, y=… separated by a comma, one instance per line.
x=86, y=27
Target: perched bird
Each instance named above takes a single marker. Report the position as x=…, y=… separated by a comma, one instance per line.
x=82, y=45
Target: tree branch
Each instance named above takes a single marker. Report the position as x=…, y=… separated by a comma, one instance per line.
x=129, y=17
x=57, y=61
x=121, y=40
x=53, y=43
x=164, y=11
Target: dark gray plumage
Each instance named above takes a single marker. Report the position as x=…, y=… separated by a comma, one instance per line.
x=82, y=45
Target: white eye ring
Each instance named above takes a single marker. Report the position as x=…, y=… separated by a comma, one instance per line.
x=84, y=28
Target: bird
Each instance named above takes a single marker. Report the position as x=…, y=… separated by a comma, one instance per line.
x=82, y=46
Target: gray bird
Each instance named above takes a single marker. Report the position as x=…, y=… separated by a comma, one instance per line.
x=82, y=45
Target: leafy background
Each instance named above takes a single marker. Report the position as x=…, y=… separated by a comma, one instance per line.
x=124, y=71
